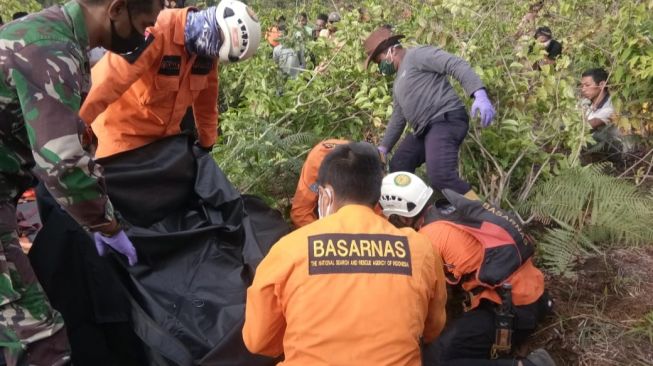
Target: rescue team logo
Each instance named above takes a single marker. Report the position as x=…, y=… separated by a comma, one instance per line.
x=497, y=212
x=402, y=180
x=358, y=253
x=170, y=65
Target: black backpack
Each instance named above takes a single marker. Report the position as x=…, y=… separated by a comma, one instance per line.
x=505, y=245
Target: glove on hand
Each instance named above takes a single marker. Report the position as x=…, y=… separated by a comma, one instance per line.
x=120, y=242
x=483, y=106
x=383, y=153
x=383, y=150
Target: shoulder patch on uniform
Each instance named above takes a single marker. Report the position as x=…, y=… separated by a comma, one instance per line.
x=328, y=145
x=313, y=187
x=170, y=65
x=133, y=56
x=202, y=66
x=358, y=253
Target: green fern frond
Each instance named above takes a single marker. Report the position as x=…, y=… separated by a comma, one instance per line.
x=590, y=210
x=559, y=249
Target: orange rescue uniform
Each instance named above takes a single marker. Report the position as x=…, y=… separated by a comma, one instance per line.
x=134, y=104
x=349, y=289
x=462, y=255
x=304, y=203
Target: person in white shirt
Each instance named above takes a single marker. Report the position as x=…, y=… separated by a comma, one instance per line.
x=597, y=103
x=600, y=113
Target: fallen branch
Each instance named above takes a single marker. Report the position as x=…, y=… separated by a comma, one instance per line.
x=636, y=163
x=647, y=174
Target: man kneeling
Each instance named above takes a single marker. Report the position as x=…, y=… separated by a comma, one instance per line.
x=350, y=288
x=476, y=338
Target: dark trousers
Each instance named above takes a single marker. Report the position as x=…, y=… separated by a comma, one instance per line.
x=437, y=146
x=469, y=339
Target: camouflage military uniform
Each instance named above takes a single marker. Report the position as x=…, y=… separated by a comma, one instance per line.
x=44, y=70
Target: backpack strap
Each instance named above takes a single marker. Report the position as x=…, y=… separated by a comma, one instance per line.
x=505, y=247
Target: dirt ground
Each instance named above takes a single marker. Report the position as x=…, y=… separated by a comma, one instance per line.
x=599, y=312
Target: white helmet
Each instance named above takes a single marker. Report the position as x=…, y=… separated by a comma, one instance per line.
x=403, y=194
x=241, y=30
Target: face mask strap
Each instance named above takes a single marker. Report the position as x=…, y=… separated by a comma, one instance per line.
x=323, y=211
x=390, y=53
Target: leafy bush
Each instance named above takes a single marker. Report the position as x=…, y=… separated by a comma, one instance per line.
x=272, y=122
x=531, y=151
x=528, y=159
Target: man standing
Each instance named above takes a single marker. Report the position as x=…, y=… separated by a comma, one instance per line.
x=471, y=339
x=423, y=95
x=44, y=69
x=348, y=289
x=135, y=102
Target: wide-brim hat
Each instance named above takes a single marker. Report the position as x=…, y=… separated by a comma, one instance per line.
x=378, y=41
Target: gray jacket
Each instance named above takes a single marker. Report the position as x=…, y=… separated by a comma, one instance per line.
x=422, y=91
x=290, y=62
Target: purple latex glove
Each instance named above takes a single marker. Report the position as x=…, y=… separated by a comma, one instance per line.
x=383, y=152
x=483, y=106
x=120, y=242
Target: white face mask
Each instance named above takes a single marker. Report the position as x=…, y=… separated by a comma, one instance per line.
x=323, y=211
